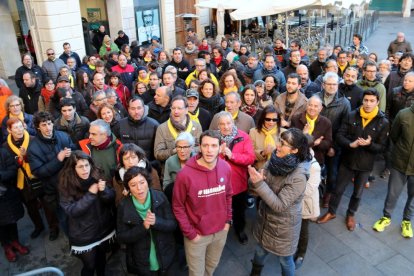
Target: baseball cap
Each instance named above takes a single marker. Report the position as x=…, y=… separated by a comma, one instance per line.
x=191, y=93
x=63, y=78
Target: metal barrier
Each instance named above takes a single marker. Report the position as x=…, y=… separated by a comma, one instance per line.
x=42, y=270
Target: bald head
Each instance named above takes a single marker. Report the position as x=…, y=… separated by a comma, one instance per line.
x=314, y=107
x=303, y=72
x=400, y=37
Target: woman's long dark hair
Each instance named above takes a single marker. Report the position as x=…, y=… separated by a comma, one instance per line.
x=268, y=109
x=69, y=181
x=295, y=138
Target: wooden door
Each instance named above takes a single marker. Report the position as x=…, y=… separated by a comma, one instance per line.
x=182, y=6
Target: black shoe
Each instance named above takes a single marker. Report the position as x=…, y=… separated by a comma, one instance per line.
x=371, y=178
x=298, y=262
x=36, y=233
x=53, y=235
x=243, y=239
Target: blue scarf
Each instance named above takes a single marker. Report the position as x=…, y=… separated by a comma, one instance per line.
x=282, y=166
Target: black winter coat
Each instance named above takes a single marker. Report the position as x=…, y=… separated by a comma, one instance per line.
x=78, y=131
x=393, y=80
x=159, y=113
x=336, y=111
x=141, y=133
x=90, y=218
x=42, y=155
x=37, y=70
x=30, y=97
x=131, y=231
x=397, y=100
x=353, y=93
x=362, y=158
x=11, y=208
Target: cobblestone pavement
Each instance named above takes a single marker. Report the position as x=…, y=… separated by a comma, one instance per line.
x=333, y=250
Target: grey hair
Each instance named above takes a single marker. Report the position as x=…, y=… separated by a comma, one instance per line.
x=103, y=125
x=110, y=92
x=185, y=136
x=169, y=68
x=302, y=66
x=386, y=62
x=409, y=74
x=317, y=98
x=233, y=94
x=331, y=75
x=200, y=60
x=223, y=114
x=64, y=66
x=98, y=93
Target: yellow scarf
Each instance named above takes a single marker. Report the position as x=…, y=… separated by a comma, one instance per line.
x=20, y=116
x=195, y=116
x=173, y=130
x=146, y=80
x=26, y=167
x=367, y=117
x=311, y=123
x=228, y=90
x=269, y=138
x=235, y=115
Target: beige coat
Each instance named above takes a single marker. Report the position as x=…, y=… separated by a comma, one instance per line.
x=164, y=145
x=258, y=145
x=299, y=107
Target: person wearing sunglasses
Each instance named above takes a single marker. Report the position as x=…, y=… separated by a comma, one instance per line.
x=265, y=135
x=52, y=64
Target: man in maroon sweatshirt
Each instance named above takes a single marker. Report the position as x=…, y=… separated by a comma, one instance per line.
x=202, y=205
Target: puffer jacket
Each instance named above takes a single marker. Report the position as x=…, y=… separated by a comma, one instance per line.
x=397, y=100
x=242, y=156
x=42, y=156
x=141, y=133
x=362, y=158
x=11, y=208
x=90, y=218
x=279, y=217
x=132, y=232
x=336, y=111
x=402, y=135
x=78, y=131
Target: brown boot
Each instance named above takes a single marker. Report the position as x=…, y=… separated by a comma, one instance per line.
x=350, y=222
x=325, y=200
x=325, y=218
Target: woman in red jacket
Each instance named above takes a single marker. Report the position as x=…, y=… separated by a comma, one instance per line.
x=237, y=150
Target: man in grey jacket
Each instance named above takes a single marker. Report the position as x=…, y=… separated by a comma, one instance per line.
x=52, y=65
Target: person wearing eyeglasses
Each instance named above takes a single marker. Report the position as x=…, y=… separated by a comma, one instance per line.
x=336, y=108
x=167, y=132
x=52, y=64
x=371, y=80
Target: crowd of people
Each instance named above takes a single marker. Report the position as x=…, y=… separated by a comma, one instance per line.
x=161, y=155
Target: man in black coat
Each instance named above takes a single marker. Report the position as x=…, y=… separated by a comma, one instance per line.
x=159, y=108
x=98, y=38
x=30, y=92
x=28, y=66
x=122, y=39
x=137, y=128
x=316, y=67
x=349, y=89
x=363, y=135
x=46, y=155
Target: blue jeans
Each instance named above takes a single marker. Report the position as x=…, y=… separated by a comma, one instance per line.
x=286, y=262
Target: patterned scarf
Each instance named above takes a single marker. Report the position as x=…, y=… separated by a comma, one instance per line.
x=176, y=129
x=282, y=166
x=229, y=138
x=249, y=109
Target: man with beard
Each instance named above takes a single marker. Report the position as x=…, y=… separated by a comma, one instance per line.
x=294, y=61
x=30, y=92
x=52, y=65
x=349, y=89
x=270, y=68
x=137, y=128
x=291, y=102
x=196, y=113
x=46, y=155
x=28, y=66
x=179, y=121
x=251, y=66
x=370, y=80
x=308, y=87
x=316, y=67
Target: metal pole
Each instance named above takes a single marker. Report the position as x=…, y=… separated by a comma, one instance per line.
x=286, y=29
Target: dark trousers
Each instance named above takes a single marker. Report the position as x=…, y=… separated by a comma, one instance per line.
x=239, y=208
x=345, y=176
x=94, y=260
x=332, y=164
x=8, y=233
x=303, y=238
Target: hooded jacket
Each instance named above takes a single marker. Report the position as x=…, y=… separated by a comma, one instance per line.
x=202, y=198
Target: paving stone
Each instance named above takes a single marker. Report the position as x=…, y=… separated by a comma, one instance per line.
x=397, y=265
x=352, y=265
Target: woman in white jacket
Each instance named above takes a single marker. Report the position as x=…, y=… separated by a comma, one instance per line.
x=310, y=209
